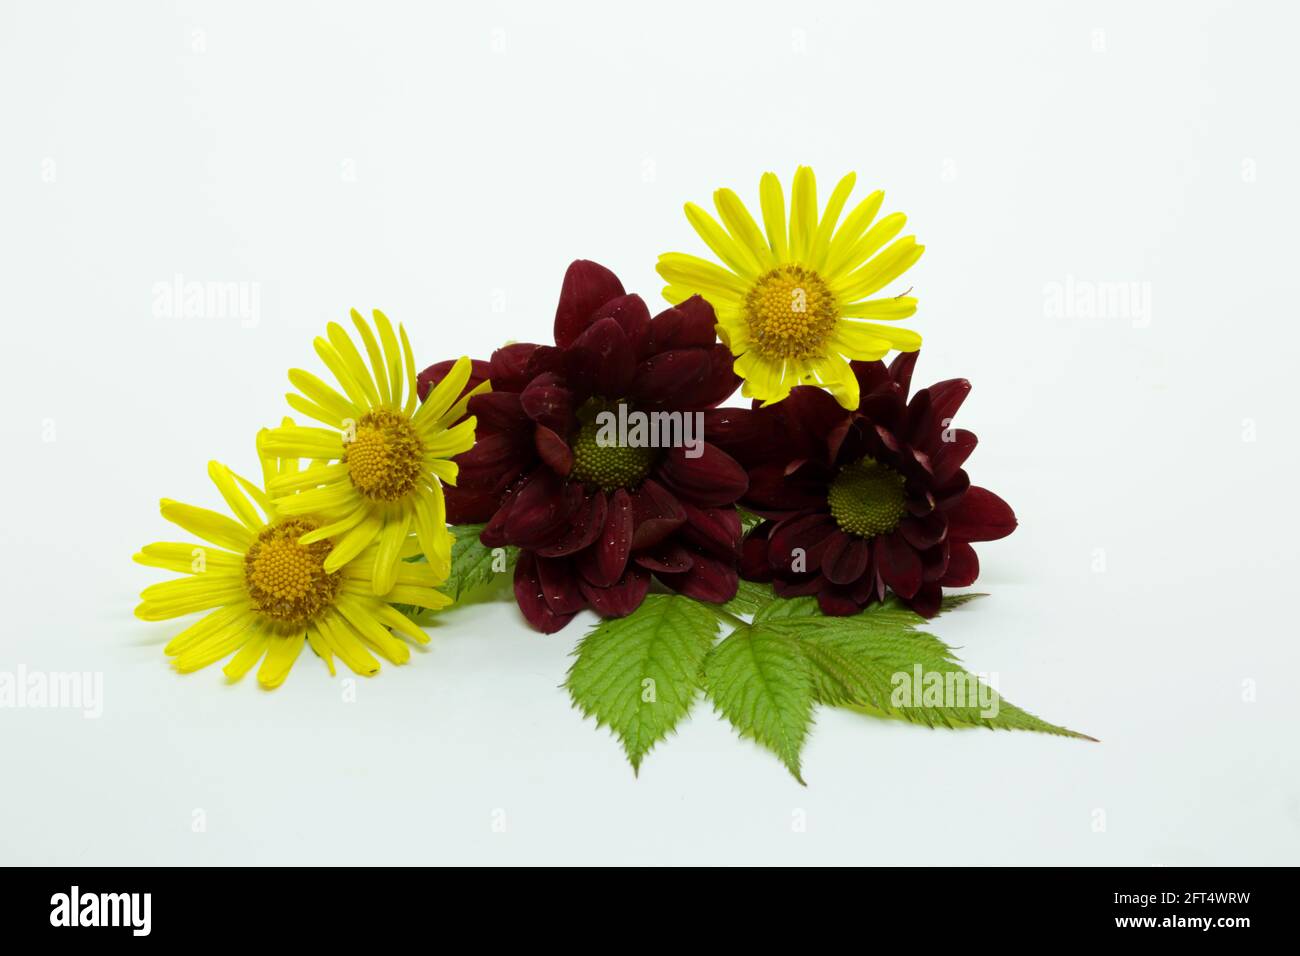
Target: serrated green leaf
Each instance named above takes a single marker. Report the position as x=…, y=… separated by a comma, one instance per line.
x=640, y=674
x=783, y=608
x=760, y=681
x=750, y=596
x=869, y=661
x=748, y=520
x=474, y=565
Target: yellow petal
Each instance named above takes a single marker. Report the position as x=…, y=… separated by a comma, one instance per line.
x=884, y=310
x=187, y=558
x=388, y=557
x=880, y=271
x=742, y=226
x=208, y=525
x=724, y=247
x=764, y=378
x=441, y=397
x=347, y=350
x=826, y=228
x=855, y=224
x=700, y=275
x=354, y=542
x=232, y=618
x=240, y=506
x=280, y=656
x=772, y=202
x=248, y=655
x=392, y=357
x=803, y=213
x=897, y=337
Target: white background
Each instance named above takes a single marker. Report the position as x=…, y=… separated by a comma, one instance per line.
x=445, y=165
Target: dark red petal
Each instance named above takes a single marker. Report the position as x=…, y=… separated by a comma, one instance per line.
x=900, y=370
x=531, y=599
x=806, y=537
x=546, y=401
x=885, y=409
x=553, y=450
x=541, y=510
x=934, y=562
x=951, y=454
x=545, y=358
x=927, y=601
x=834, y=603
x=622, y=598
x=669, y=556
x=815, y=424
x=846, y=558
x=799, y=585
x=963, y=566
x=754, y=565
x=656, y=513
x=497, y=412
x=493, y=534
x=710, y=480
x=687, y=324
x=946, y=398
x=660, y=378
x=921, y=503
x=630, y=312
x=479, y=373
x=559, y=583
x=869, y=588
x=604, y=562
x=872, y=377
x=601, y=360
x=585, y=526
x=921, y=427
x=709, y=579
x=494, y=462
x=925, y=531
x=898, y=563
x=772, y=492
x=980, y=516
x=587, y=286
x=714, y=531
x=745, y=434
x=469, y=507
x=509, y=366
x=715, y=386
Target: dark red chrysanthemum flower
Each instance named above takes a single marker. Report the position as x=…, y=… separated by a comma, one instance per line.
x=594, y=520
x=859, y=501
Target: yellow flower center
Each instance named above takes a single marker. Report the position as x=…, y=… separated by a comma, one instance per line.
x=791, y=312
x=286, y=580
x=386, y=458
x=866, y=498
x=599, y=459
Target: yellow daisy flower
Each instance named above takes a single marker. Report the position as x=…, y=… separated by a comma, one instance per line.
x=387, y=453
x=790, y=299
x=266, y=593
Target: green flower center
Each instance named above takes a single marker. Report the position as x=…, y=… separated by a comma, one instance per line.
x=791, y=312
x=599, y=455
x=866, y=498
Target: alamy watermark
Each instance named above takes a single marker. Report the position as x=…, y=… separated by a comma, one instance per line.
x=627, y=428
x=947, y=689
x=1087, y=299
x=53, y=690
x=180, y=298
